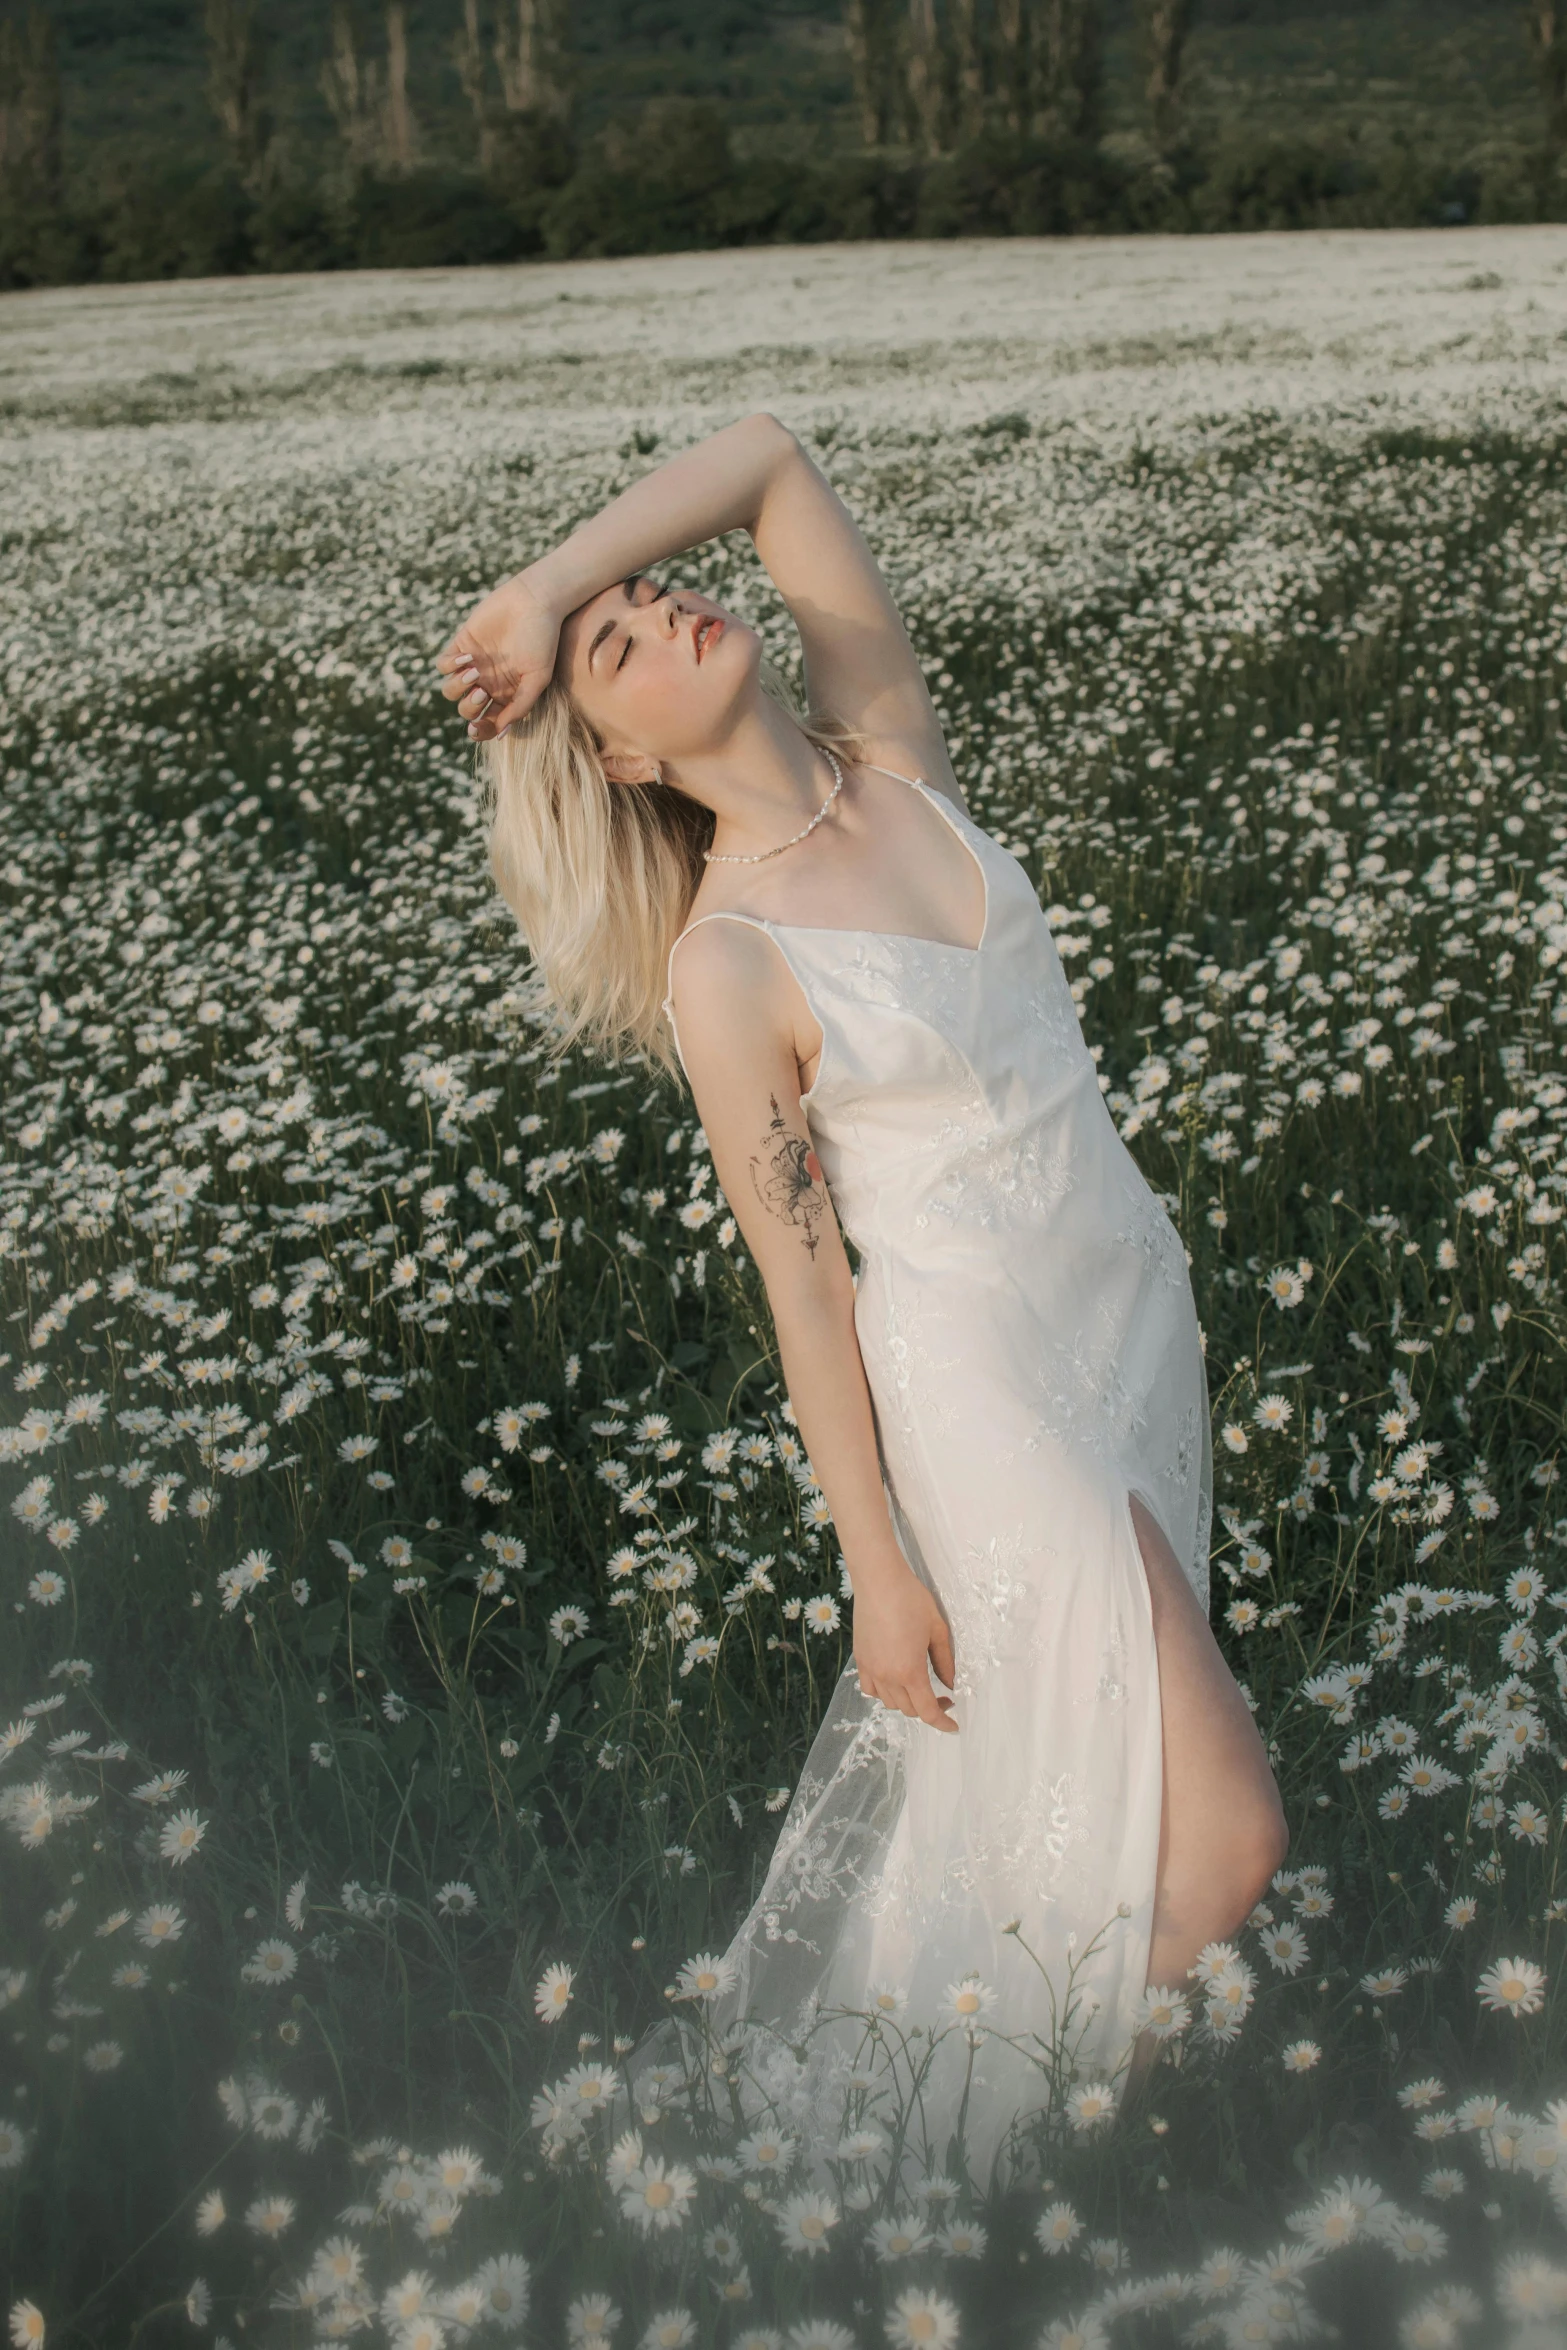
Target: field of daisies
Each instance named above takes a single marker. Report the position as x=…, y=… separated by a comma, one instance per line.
x=419, y=1599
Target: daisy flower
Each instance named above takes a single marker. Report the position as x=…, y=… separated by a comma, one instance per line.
x=657, y=2194
x=592, y=2317
x=552, y=1992
x=897, y=2239
x=922, y=2321
x=270, y=2215
x=706, y=1977
x=804, y=2220
x=1057, y=2228
x=968, y=1999
x=1163, y=2011
x=180, y=1836
x=1514, y=1986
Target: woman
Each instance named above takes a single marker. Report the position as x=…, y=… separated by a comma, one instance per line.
x=1037, y=1789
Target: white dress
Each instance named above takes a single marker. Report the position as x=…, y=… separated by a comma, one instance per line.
x=1032, y=1350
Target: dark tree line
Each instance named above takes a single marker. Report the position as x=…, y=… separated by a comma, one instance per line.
x=971, y=117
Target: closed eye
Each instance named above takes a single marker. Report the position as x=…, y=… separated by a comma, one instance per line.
x=656, y=598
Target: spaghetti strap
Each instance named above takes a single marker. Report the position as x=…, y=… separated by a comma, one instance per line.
x=892, y=771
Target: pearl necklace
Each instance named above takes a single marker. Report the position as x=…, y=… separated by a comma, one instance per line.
x=722, y=857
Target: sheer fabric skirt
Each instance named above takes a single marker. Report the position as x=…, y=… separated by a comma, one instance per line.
x=954, y=1931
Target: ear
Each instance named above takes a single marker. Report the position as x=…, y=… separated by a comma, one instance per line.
x=629, y=767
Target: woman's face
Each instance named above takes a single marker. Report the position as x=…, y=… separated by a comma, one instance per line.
x=658, y=672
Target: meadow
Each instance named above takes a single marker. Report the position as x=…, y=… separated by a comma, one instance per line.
x=419, y=1598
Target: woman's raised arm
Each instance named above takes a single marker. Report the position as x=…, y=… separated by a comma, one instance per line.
x=754, y=476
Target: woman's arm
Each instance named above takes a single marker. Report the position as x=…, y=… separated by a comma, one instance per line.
x=745, y=1080
x=752, y=476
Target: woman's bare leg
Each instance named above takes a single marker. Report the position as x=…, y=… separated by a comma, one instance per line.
x=1222, y=1831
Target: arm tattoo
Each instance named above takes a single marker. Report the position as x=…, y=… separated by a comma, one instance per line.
x=789, y=1188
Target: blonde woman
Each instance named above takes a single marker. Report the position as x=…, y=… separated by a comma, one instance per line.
x=1038, y=1789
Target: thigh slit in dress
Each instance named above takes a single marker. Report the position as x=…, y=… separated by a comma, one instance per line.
x=1031, y=1345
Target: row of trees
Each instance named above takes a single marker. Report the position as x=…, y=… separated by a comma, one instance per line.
x=928, y=78
x=973, y=116
x=938, y=79
x=517, y=81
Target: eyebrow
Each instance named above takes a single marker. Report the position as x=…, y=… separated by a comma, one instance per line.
x=608, y=628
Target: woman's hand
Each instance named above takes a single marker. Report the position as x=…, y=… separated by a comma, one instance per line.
x=502, y=657
x=897, y=1626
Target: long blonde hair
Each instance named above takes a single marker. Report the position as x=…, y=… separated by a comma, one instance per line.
x=601, y=875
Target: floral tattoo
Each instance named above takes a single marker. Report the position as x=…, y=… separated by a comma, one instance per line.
x=789, y=1188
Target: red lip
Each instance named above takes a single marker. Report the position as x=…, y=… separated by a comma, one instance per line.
x=703, y=634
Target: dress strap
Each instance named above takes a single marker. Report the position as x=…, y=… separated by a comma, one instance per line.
x=871, y=763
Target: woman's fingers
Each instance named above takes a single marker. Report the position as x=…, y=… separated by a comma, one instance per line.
x=488, y=713
x=941, y=1655
x=500, y=660
x=927, y=1707
x=516, y=708
x=921, y=1705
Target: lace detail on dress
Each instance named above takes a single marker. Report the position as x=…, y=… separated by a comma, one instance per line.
x=1000, y=1182
x=821, y=1859
x=921, y=1385
x=1147, y=1228
x=1113, y=1686
x=1086, y=1399
x=994, y=1598
x=1050, y=1006
x=916, y=975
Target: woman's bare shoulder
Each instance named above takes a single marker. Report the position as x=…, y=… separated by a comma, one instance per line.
x=722, y=948
x=731, y=989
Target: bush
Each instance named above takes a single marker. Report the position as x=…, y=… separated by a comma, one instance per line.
x=535, y=156
x=177, y=221
x=295, y=227
x=431, y=220
x=1514, y=183
x=1278, y=182
x=1021, y=187
x=40, y=246
x=650, y=184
